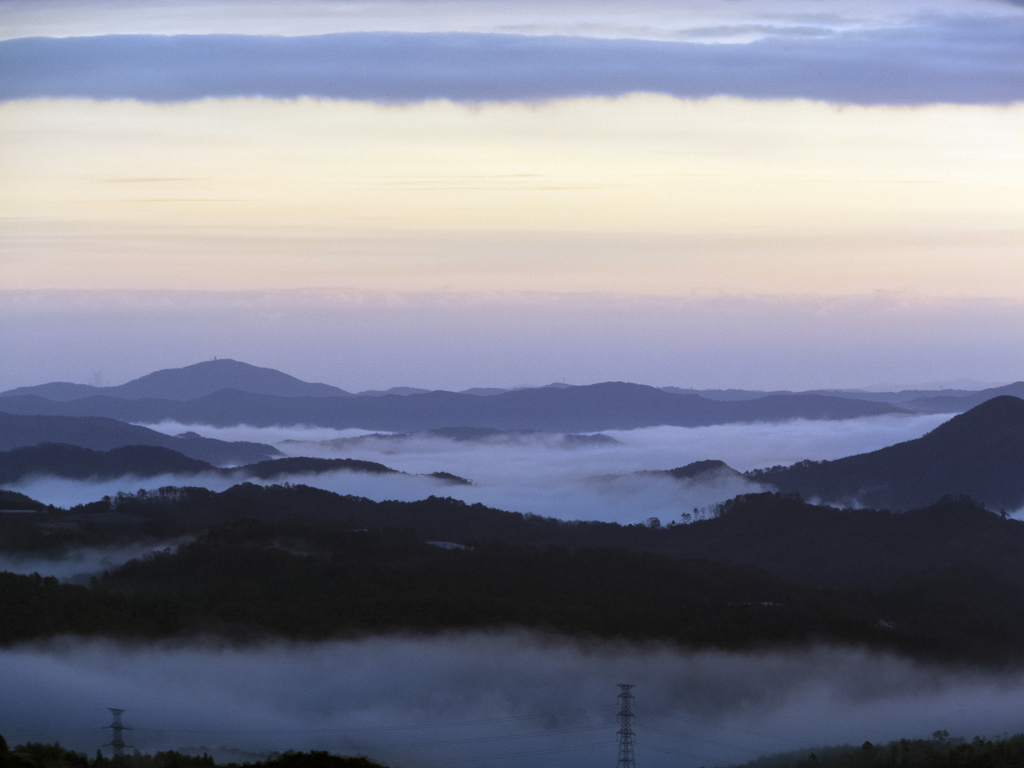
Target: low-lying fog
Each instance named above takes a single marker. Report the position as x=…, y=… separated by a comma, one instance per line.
x=78, y=564
x=489, y=699
x=538, y=474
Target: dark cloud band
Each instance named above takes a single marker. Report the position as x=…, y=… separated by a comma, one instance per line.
x=967, y=61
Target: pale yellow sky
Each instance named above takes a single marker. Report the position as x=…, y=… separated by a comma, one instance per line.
x=644, y=194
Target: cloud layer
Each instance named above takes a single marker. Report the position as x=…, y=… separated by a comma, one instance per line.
x=969, y=60
x=531, y=476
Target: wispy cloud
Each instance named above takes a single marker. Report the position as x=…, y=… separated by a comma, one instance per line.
x=77, y=564
x=939, y=59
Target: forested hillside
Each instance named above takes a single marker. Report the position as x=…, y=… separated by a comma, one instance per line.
x=769, y=570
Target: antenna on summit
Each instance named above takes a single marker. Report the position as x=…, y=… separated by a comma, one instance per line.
x=626, y=729
x=117, y=742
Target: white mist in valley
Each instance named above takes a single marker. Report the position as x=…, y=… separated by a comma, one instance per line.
x=538, y=474
x=490, y=699
x=742, y=446
x=77, y=564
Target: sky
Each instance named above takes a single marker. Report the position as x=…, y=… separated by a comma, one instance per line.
x=741, y=193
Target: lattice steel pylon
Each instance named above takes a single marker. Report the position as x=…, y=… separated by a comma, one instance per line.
x=626, y=729
x=117, y=742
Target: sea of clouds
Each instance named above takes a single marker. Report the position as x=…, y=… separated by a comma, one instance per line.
x=489, y=699
x=536, y=474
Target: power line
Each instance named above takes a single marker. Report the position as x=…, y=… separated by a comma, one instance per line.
x=502, y=755
x=668, y=716
x=700, y=738
x=388, y=728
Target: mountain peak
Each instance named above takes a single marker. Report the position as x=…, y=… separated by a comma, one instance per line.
x=189, y=383
x=209, y=376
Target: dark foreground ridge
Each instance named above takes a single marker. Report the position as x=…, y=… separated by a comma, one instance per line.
x=942, y=582
x=940, y=751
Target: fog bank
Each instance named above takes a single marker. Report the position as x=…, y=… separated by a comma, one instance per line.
x=78, y=564
x=490, y=699
x=741, y=446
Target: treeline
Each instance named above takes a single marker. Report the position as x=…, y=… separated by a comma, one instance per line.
x=809, y=544
x=938, y=752
x=38, y=755
x=297, y=562
x=251, y=580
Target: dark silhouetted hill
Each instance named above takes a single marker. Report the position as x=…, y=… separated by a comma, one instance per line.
x=780, y=533
x=979, y=454
x=18, y=501
x=74, y=462
x=298, y=562
x=706, y=470
x=102, y=434
x=143, y=461
x=708, y=467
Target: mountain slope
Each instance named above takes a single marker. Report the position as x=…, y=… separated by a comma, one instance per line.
x=102, y=434
x=944, y=580
x=75, y=462
x=979, y=453
x=190, y=382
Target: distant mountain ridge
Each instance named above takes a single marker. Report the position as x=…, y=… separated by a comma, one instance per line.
x=209, y=376
x=979, y=454
x=917, y=400
x=570, y=409
x=227, y=392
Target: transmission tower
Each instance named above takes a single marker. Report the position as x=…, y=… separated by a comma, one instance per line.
x=626, y=729
x=117, y=742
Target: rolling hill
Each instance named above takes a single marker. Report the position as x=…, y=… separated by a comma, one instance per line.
x=979, y=454
x=144, y=461
x=102, y=434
